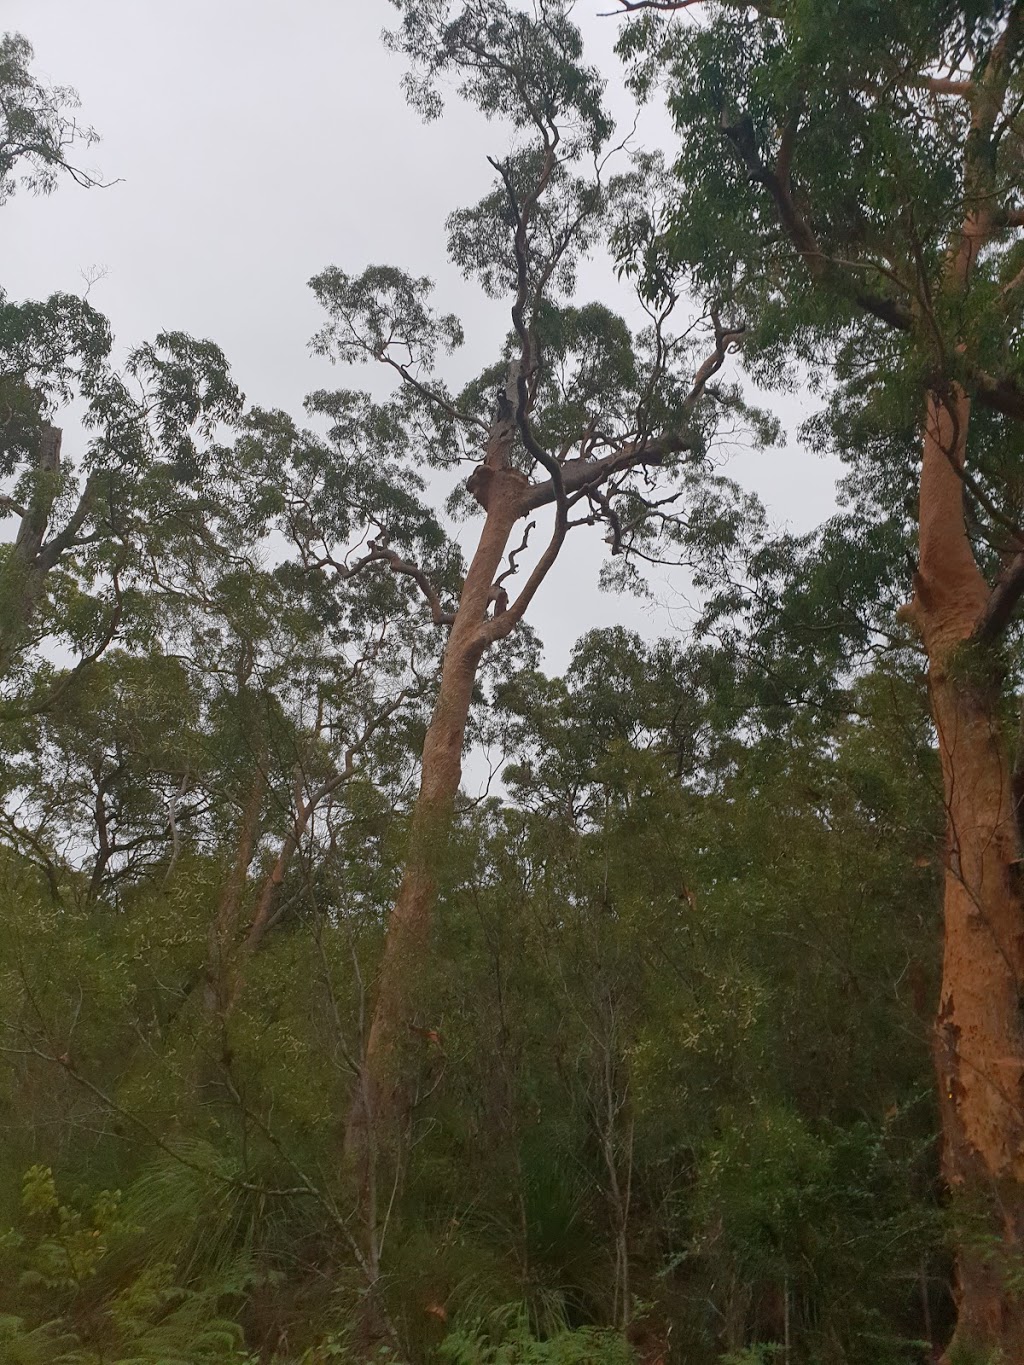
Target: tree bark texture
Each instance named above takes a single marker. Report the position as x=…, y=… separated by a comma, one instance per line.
x=382, y=1097
x=978, y=1039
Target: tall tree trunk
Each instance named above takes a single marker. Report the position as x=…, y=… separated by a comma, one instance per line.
x=383, y=1095
x=979, y=1042
x=380, y=1099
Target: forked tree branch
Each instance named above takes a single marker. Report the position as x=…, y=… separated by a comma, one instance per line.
x=380, y=554
x=580, y=477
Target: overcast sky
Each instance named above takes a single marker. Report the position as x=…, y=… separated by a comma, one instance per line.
x=254, y=143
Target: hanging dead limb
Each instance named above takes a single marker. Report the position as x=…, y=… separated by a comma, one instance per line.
x=499, y=593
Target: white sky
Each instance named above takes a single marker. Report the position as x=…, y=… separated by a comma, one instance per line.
x=257, y=142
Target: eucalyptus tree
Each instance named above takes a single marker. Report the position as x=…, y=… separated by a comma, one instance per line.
x=851, y=183
x=146, y=438
x=81, y=527
x=337, y=654
x=271, y=678
x=580, y=419
x=38, y=126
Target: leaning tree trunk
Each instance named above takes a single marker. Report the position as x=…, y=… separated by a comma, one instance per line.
x=384, y=1093
x=979, y=1041
x=381, y=1096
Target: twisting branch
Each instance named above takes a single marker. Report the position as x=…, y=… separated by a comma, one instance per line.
x=406, y=567
x=503, y=622
x=608, y=514
x=520, y=549
x=528, y=364
x=380, y=554
x=778, y=182
x=498, y=627
x=725, y=339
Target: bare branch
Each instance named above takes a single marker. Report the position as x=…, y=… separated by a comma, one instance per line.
x=431, y=395
x=520, y=549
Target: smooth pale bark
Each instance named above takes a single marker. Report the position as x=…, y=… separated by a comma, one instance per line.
x=380, y=1100
x=978, y=1041
x=384, y=1092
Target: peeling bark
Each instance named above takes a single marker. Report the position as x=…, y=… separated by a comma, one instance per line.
x=978, y=1038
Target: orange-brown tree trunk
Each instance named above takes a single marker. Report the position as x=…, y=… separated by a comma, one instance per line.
x=381, y=1096
x=385, y=1089
x=979, y=1040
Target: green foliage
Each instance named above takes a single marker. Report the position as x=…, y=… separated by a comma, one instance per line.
x=71, y=1313
x=668, y=1057
x=511, y=1342
x=38, y=126
x=519, y=65
x=380, y=309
